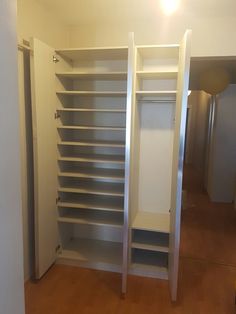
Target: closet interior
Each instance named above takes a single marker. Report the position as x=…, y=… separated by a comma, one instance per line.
x=108, y=133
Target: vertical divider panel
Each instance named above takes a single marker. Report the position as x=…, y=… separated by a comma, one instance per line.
x=177, y=164
x=128, y=155
x=44, y=151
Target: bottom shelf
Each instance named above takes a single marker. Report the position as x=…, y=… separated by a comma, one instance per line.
x=90, y=253
x=149, y=264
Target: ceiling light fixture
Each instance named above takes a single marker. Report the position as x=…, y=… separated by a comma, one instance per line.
x=169, y=6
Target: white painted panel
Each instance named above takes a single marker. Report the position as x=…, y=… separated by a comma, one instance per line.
x=44, y=146
x=128, y=157
x=177, y=163
x=155, y=164
x=11, y=242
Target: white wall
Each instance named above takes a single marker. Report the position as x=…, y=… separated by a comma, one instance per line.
x=222, y=176
x=210, y=34
x=11, y=249
x=33, y=21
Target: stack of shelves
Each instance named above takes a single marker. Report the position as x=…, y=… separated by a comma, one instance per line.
x=91, y=91
x=157, y=71
x=156, y=89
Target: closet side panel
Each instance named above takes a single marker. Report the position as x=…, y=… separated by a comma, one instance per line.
x=44, y=149
x=177, y=164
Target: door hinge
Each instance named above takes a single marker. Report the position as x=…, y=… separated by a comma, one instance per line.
x=58, y=199
x=55, y=59
x=57, y=115
x=58, y=248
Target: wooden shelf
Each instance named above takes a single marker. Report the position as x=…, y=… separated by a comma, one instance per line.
x=94, y=75
x=92, y=143
x=92, y=93
x=83, y=127
x=97, y=254
x=91, y=110
x=94, y=173
x=159, y=222
x=95, y=158
x=99, y=53
x=157, y=74
x=95, y=188
x=111, y=219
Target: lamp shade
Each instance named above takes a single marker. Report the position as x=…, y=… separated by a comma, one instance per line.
x=214, y=81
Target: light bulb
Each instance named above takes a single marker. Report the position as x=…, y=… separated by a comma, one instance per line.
x=189, y=92
x=169, y=6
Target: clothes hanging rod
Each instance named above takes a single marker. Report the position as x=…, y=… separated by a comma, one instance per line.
x=157, y=101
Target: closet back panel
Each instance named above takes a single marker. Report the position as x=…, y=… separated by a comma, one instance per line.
x=155, y=163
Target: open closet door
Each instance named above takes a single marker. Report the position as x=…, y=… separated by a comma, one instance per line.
x=177, y=164
x=44, y=148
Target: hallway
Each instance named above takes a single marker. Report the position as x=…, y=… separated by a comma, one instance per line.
x=206, y=280
x=208, y=229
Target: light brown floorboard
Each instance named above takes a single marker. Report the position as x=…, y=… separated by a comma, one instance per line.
x=204, y=288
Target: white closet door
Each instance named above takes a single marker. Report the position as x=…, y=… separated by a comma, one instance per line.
x=177, y=165
x=44, y=146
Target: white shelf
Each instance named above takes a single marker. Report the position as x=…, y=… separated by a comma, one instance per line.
x=95, y=158
x=94, y=173
x=90, y=191
x=94, y=75
x=157, y=74
x=92, y=143
x=149, y=264
x=99, y=53
x=149, y=247
x=92, y=93
x=159, y=222
x=148, y=271
x=97, y=254
x=111, y=219
x=159, y=51
x=91, y=110
x=81, y=127
x=104, y=204
x=150, y=241
x=107, y=189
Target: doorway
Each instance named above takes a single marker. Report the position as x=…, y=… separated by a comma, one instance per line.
x=208, y=232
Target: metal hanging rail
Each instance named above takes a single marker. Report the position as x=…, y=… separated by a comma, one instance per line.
x=161, y=101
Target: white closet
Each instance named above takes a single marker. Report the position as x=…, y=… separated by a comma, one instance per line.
x=108, y=138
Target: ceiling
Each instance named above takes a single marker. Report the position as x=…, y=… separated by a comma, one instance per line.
x=200, y=65
x=74, y=12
